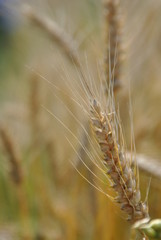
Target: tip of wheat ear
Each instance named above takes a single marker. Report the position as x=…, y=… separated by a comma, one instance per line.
x=120, y=170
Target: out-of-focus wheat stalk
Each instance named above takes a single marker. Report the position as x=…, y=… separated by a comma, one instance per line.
x=50, y=148
x=148, y=165
x=16, y=172
x=55, y=32
x=13, y=156
x=35, y=109
x=114, y=54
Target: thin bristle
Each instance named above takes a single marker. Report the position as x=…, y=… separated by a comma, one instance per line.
x=119, y=168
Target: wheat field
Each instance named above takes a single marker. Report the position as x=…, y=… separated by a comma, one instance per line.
x=77, y=147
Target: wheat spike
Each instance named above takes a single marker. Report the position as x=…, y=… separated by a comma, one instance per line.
x=120, y=170
x=114, y=54
x=35, y=109
x=55, y=32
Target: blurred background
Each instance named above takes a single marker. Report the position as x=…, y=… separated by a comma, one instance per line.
x=42, y=196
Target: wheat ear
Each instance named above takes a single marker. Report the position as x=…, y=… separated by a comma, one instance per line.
x=114, y=54
x=17, y=177
x=55, y=32
x=13, y=155
x=120, y=170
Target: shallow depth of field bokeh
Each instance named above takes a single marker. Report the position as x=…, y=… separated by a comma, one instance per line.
x=49, y=199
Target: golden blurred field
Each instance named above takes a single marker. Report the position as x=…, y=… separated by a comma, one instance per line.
x=48, y=199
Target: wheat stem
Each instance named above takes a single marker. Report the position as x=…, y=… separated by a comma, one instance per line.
x=114, y=54
x=149, y=165
x=16, y=173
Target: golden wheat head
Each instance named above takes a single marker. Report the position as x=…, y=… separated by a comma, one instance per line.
x=120, y=170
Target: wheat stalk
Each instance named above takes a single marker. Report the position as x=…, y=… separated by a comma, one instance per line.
x=35, y=110
x=13, y=155
x=148, y=165
x=17, y=176
x=114, y=54
x=55, y=32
